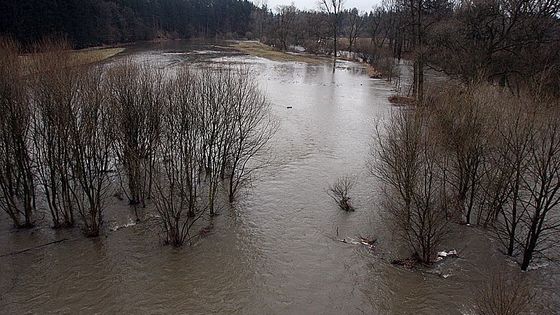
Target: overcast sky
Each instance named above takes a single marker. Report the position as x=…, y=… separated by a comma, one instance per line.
x=362, y=5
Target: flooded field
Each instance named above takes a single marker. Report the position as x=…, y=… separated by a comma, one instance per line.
x=278, y=250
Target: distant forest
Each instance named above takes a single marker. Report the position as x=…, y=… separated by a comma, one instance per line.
x=95, y=22
x=512, y=43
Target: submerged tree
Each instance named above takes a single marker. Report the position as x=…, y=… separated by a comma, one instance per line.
x=214, y=124
x=541, y=184
x=92, y=140
x=55, y=91
x=503, y=295
x=515, y=137
x=340, y=192
x=214, y=92
x=136, y=99
x=236, y=126
x=461, y=118
x=252, y=127
x=17, y=184
x=178, y=173
x=406, y=161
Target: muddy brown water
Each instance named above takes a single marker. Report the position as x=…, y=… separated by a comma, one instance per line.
x=276, y=252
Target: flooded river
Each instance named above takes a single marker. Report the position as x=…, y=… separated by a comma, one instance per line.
x=277, y=251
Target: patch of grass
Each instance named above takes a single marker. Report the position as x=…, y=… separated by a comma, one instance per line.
x=73, y=58
x=96, y=55
x=83, y=57
x=258, y=49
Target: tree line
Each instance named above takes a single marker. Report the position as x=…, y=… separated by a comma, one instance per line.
x=504, y=42
x=507, y=42
x=95, y=22
x=481, y=149
x=474, y=155
x=73, y=134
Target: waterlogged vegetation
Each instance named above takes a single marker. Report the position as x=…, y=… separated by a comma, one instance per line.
x=164, y=138
x=97, y=54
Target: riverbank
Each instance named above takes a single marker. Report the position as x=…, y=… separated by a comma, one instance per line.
x=253, y=48
x=94, y=55
x=83, y=56
x=259, y=49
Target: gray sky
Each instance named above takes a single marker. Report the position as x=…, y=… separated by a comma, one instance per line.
x=362, y=5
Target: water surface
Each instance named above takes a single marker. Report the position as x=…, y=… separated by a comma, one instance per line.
x=277, y=251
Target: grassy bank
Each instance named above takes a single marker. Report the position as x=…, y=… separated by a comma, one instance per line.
x=96, y=55
x=258, y=49
x=79, y=57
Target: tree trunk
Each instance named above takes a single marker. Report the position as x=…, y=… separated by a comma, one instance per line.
x=527, y=257
x=335, y=44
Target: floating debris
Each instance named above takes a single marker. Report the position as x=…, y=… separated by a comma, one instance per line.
x=124, y=226
x=443, y=254
x=368, y=242
x=350, y=241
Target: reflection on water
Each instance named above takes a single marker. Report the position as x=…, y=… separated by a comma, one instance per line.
x=276, y=252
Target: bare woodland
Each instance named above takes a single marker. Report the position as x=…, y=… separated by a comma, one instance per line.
x=72, y=135
x=474, y=155
x=480, y=149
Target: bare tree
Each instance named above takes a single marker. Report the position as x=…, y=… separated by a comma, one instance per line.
x=333, y=8
x=355, y=27
x=252, y=129
x=406, y=161
x=178, y=170
x=214, y=125
x=502, y=157
x=286, y=20
x=516, y=136
x=136, y=101
x=92, y=140
x=214, y=87
x=17, y=185
x=55, y=93
x=542, y=186
x=503, y=295
x=526, y=215
x=340, y=192
x=462, y=120
x=417, y=13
